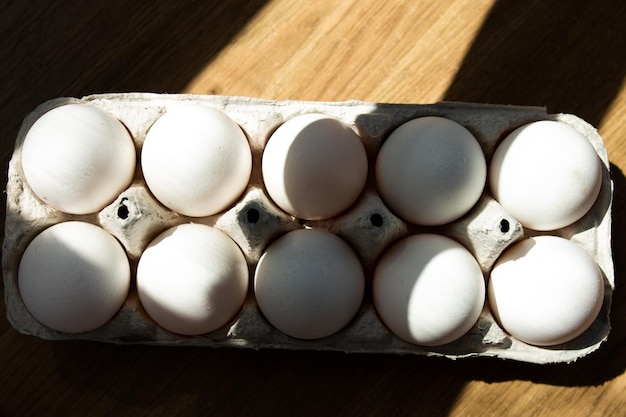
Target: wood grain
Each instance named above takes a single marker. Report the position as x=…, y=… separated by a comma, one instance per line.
x=568, y=56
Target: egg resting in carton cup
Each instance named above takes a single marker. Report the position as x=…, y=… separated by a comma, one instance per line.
x=134, y=216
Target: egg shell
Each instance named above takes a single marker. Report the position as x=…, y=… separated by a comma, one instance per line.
x=77, y=158
x=196, y=160
x=428, y=289
x=314, y=166
x=430, y=171
x=254, y=221
x=74, y=277
x=192, y=279
x=560, y=185
x=309, y=284
x=546, y=290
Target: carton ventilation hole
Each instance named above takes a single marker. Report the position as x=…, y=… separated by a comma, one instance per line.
x=376, y=220
x=122, y=210
x=252, y=216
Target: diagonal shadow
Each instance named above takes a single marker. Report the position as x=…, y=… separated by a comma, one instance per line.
x=567, y=56
x=115, y=46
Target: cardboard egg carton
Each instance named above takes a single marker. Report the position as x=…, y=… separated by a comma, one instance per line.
x=254, y=221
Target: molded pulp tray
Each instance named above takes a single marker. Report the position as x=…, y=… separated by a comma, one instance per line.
x=480, y=230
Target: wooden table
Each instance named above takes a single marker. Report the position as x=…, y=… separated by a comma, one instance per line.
x=568, y=56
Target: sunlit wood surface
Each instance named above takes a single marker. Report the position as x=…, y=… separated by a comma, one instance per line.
x=568, y=56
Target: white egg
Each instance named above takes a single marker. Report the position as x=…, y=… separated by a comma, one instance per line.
x=74, y=277
x=78, y=158
x=545, y=290
x=430, y=171
x=545, y=174
x=196, y=160
x=428, y=289
x=192, y=279
x=309, y=284
x=314, y=166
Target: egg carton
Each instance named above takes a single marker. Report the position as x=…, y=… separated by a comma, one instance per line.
x=254, y=221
